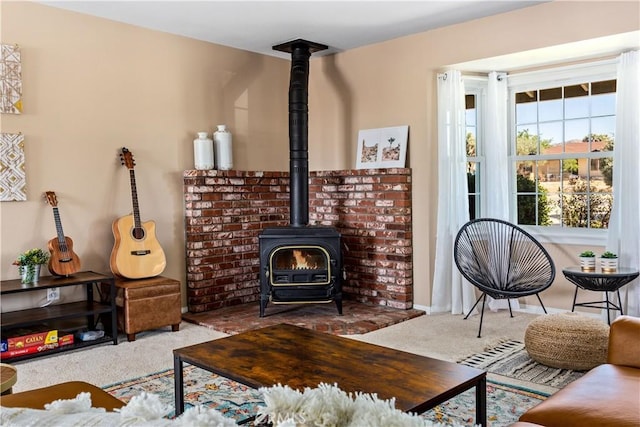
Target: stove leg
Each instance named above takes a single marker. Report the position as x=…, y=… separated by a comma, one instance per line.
x=263, y=305
x=339, y=305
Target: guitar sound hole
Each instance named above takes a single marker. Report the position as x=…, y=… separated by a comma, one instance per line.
x=138, y=233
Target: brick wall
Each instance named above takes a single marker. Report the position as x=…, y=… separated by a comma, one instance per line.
x=225, y=212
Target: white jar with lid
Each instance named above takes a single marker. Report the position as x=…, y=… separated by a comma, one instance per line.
x=203, y=152
x=223, y=147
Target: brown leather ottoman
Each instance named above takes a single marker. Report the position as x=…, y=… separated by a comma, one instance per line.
x=36, y=399
x=146, y=304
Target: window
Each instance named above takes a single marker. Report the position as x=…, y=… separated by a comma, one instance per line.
x=561, y=134
x=473, y=159
x=475, y=90
x=562, y=137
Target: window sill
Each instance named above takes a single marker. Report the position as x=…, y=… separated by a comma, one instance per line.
x=566, y=236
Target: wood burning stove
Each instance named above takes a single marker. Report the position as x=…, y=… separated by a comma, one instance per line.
x=300, y=266
x=300, y=263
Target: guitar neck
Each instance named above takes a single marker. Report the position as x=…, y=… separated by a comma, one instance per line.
x=134, y=198
x=62, y=243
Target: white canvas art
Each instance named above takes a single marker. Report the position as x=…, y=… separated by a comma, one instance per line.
x=382, y=148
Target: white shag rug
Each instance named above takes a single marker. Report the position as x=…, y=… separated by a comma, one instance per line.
x=326, y=406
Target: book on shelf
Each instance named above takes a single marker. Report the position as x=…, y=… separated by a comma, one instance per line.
x=27, y=350
x=36, y=339
x=31, y=337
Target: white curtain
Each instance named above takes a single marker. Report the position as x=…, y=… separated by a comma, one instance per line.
x=496, y=167
x=624, y=225
x=450, y=291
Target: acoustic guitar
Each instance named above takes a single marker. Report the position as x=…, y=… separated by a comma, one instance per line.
x=63, y=261
x=136, y=252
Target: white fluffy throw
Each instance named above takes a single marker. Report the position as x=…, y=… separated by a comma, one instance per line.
x=329, y=406
x=144, y=410
x=324, y=406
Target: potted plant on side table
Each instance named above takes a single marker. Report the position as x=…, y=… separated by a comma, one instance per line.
x=588, y=261
x=29, y=264
x=609, y=262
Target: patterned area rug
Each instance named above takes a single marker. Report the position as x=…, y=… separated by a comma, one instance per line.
x=510, y=359
x=505, y=404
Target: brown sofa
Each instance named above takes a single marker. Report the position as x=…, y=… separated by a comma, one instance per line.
x=607, y=395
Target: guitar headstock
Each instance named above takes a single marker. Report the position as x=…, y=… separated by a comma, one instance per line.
x=126, y=157
x=51, y=198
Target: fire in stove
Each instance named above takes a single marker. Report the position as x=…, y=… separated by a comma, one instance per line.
x=308, y=265
x=298, y=258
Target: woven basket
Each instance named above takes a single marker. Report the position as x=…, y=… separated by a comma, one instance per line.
x=567, y=341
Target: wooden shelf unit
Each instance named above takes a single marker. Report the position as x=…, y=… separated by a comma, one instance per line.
x=55, y=315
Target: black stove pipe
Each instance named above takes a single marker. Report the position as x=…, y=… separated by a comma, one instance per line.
x=300, y=51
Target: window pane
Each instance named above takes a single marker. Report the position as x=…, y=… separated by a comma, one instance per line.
x=473, y=186
x=470, y=118
x=554, y=206
x=602, y=105
x=603, y=125
x=606, y=169
x=527, y=140
x=576, y=101
x=576, y=130
x=607, y=86
x=550, y=106
x=551, y=110
x=527, y=210
x=550, y=133
x=526, y=107
x=570, y=169
x=549, y=173
x=471, y=142
x=601, y=174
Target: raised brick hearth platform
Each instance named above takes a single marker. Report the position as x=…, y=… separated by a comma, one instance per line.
x=225, y=211
x=357, y=318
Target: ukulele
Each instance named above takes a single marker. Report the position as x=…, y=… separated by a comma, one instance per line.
x=136, y=252
x=63, y=261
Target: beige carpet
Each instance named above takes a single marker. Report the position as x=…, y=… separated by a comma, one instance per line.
x=449, y=337
x=442, y=336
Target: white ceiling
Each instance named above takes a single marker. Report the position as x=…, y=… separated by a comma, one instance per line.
x=256, y=26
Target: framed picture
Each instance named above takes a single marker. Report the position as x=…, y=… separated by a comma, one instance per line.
x=382, y=148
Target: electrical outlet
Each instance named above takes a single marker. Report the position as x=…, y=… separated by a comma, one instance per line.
x=53, y=294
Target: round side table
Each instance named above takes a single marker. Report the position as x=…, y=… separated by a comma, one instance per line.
x=600, y=281
x=8, y=377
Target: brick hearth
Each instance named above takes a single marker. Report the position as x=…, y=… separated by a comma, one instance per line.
x=226, y=210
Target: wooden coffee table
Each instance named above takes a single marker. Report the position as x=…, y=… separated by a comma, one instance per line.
x=300, y=357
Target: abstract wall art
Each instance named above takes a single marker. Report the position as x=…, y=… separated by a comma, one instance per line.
x=13, y=178
x=10, y=79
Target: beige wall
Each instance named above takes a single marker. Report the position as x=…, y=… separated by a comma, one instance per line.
x=394, y=83
x=92, y=86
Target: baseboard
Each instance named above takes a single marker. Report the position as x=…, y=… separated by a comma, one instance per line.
x=424, y=308
x=536, y=309
x=524, y=308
